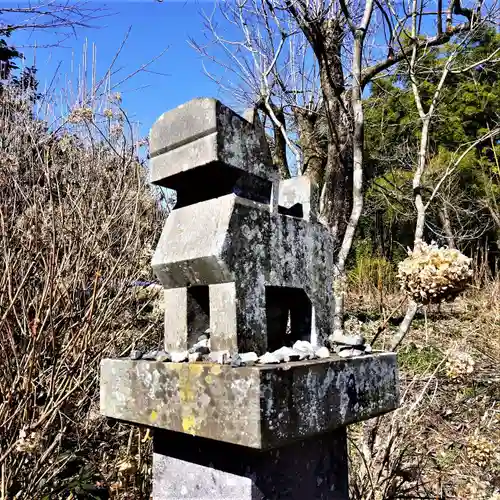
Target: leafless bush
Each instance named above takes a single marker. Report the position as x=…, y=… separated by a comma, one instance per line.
x=442, y=442
x=77, y=225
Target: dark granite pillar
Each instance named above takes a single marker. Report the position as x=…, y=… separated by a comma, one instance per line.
x=194, y=468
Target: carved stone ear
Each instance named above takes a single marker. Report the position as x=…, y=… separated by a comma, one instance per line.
x=251, y=115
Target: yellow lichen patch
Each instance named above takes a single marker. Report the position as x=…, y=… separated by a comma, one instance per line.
x=216, y=369
x=185, y=393
x=189, y=424
x=154, y=415
x=185, y=390
x=176, y=366
x=208, y=379
x=195, y=369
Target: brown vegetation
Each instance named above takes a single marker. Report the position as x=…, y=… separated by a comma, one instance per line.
x=443, y=441
x=77, y=224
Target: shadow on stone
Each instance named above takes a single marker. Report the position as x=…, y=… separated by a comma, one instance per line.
x=188, y=467
x=283, y=303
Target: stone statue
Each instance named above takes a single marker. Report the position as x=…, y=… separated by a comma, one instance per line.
x=242, y=254
x=240, y=248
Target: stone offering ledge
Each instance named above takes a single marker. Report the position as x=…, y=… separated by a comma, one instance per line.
x=259, y=407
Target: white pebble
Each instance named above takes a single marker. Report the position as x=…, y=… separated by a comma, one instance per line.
x=179, y=357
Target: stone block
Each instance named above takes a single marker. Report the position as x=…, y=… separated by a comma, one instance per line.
x=176, y=327
x=204, y=133
x=265, y=255
x=193, y=468
x=259, y=406
x=223, y=317
x=298, y=197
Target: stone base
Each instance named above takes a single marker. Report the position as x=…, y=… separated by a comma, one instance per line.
x=194, y=468
x=260, y=406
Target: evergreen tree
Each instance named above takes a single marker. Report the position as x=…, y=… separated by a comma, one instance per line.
x=467, y=110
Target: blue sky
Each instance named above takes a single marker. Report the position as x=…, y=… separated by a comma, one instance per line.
x=154, y=28
x=176, y=77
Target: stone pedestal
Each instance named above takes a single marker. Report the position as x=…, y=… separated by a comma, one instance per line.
x=193, y=468
x=262, y=406
x=261, y=432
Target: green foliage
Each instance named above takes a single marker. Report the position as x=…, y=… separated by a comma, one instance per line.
x=8, y=55
x=371, y=270
x=468, y=108
x=419, y=360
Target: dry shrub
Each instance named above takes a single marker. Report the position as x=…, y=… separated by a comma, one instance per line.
x=443, y=441
x=77, y=225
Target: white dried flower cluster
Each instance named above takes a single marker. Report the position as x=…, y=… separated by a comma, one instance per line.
x=28, y=444
x=82, y=114
x=116, y=130
x=459, y=365
x=153, y=294
x=432, y=274
x=480, y=451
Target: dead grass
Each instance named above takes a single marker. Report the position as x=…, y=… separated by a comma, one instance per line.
x=77, y=225
x=443, y=442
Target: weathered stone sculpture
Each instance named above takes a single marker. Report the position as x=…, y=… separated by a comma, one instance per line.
x=227, y=244
x=242, y=255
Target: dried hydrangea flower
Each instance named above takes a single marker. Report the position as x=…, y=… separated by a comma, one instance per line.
x=432, y=274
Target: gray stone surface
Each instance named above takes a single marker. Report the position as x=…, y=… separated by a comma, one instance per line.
x=248, y=358
x=193, y=468
x=219, y=357
x=322, y=353
x=269, y=358
x=223, y=319
x=349, y=352
x=202, y=132
x=176, y=326
x=251, y=254
x=179, y=356
x=287, y=354
x=202, y=347
x=163, y=356
x=351, y=340
x=299, y=191
x=193, y=357
x=261, y=264
x=258, y=406
x=244, y=263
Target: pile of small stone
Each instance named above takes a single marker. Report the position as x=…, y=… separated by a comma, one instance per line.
x=200, y=351
x=344, y=345
x=347, y=346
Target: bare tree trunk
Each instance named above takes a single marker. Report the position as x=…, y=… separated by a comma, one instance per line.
x=279, y=147
x=313, y=147
x=445, y=221
x=335, y=199
x=417, y=178
x=425, y=118
x=357, y=177
x=404, y=327
x=496, y=219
